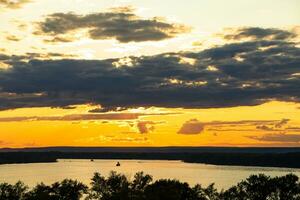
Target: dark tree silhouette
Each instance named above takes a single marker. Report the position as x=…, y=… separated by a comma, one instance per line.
x=141, y=187
x=69, y=189
x=12, y=192
x=115, y=187
x=65, y=190
x=41, y=191
x=286, y=187
x=168, y=189
x=209, y=193
x=262, y=187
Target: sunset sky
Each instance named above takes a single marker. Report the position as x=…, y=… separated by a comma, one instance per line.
x=149, y=73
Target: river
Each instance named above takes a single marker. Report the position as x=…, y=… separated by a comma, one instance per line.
x=82, y=170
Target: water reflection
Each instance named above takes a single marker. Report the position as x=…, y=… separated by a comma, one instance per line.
x=82, y=170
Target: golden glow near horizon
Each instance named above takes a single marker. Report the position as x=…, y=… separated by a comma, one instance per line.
x=197, y=25
x=236, y=126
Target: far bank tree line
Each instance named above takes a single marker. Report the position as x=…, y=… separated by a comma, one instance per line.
x=142, y=187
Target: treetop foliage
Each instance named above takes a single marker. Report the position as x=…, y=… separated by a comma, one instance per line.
x=142, y=187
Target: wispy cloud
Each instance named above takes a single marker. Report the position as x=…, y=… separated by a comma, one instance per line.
x=13, y=38
x=280, y=137
x=113, y=138
x=194, y=126
x=142, y=125
x=14, y=4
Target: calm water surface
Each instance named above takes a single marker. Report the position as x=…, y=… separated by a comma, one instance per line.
x=82, y=170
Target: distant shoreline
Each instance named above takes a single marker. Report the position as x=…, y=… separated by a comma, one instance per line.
x=260, y=157
x=167, y=149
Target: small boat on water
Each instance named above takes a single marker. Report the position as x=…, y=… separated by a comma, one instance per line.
x=118, y=164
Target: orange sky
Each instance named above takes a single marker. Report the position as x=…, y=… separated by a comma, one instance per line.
x=237, y=126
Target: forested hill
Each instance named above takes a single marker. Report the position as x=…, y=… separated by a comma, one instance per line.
x=270, y=157
x=158, y=149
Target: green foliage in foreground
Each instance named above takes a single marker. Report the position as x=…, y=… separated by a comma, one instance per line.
x=142, y=187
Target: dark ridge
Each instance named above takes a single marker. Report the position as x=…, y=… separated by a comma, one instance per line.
x=26, y=157
x=157, y=149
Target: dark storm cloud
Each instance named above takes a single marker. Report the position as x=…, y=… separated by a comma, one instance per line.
x=247, y=73
x=120, y=24
x=13, y=3
x=259, y=34
x=21, y=59
x=280, y=137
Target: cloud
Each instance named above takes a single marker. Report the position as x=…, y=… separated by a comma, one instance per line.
x=58, y=39
x=191, y=127
x=19, y=59
x=145, y=126
x=132, y=140
x=121, y=24
x=142, y=125
x=276, y=126
x=282, y=123
x=75, y=117
x=14, y=4
x=194, y=126
x=245, y=73
x=107, y=109
x=281, y=137
x=2, y=143
x=293, y=128
x=243, y=123
x=12, y=38
x=265, y=128
x=257, y=33
x=119, y=139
